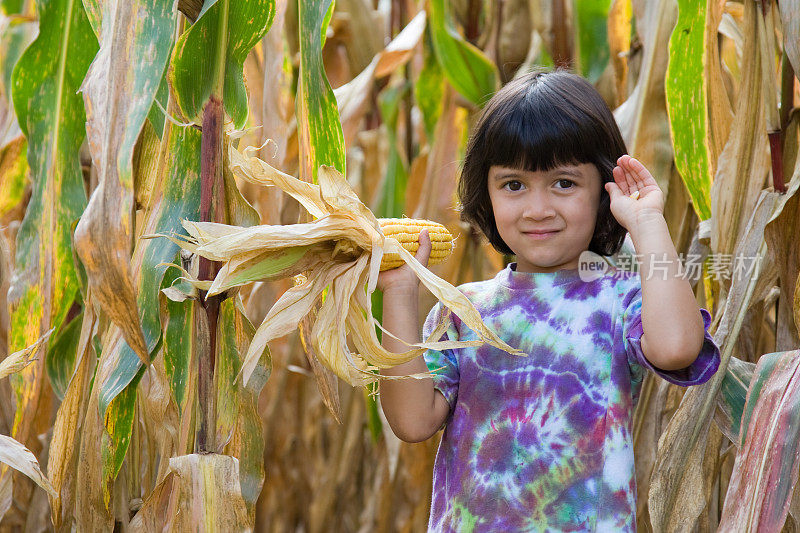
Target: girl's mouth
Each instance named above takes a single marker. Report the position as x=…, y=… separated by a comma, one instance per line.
x=541, y=236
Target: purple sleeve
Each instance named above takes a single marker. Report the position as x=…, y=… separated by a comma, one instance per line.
x=698, y=372
x=442, y=363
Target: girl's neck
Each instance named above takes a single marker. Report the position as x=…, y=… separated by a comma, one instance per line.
x=511, y=278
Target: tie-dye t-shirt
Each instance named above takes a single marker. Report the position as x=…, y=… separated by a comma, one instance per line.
x=543, y=442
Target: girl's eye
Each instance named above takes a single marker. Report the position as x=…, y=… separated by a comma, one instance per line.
x=569, y=185
x=513, y=185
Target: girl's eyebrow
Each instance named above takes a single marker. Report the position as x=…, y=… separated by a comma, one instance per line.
x=500, y=174
x=558, y=171
x=574, y=172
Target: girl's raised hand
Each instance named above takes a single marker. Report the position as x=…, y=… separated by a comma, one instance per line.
x=631, y=177
x=403, y=278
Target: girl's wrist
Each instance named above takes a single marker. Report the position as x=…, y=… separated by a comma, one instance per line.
x=647, y=222
x=402, y=290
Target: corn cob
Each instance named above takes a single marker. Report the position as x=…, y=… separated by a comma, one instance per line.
x=406, y=231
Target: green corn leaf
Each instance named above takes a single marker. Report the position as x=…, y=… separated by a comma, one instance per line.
x=156, y=116
x=180, y=336
x=687, y=103
x=118, y=420
x=10, y=7
x=591, y=37
x=469, y=71
x=60, y=362
x=394, y=182
x=238, y=210
x=119, y=88
x=238, y=420
x=319, y=126
x=176, y=196
x=94, y=12
x=429, y=89
x=211, y=54
x=16, y=37
x=51, y=115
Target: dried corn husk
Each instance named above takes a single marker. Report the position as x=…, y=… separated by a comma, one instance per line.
x=339, y=254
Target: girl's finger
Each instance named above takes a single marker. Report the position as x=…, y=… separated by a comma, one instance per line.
x=632, y=186
x=619, y=179
x=613, y=189
x=640, y=172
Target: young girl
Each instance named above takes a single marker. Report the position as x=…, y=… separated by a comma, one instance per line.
x=543, y=442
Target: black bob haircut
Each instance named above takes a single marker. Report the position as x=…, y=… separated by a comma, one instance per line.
x=537, y=122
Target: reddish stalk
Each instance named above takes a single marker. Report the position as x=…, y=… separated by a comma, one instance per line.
x=212, y=202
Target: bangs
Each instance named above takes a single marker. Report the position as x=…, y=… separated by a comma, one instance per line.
x=534, y=134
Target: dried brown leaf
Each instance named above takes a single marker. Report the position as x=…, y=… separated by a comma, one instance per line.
x=62, y=461
x=326, y=379
x=744, y=161
x=642, y=118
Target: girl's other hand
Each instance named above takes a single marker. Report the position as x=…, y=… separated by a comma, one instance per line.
x=403, y=278
x=631, y=176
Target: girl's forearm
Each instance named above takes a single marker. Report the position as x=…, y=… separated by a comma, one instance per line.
x=671, y=320
x=409, y=404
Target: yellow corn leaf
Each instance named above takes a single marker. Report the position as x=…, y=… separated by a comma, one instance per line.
x=264, y=238
x=452, y=298
x=254, y=170
x=329, y=334
x=677, y=495
x=326, y=379
x=340, y=252
x=287, y=312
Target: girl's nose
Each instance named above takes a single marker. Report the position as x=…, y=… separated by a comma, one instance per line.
x=539, y=207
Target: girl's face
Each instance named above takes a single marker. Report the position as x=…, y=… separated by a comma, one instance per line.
x=562, y=202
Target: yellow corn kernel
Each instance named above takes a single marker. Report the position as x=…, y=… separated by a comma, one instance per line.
x=406, y=231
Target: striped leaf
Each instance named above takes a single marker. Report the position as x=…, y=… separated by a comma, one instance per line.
x=766, y=467
x=212, y=52
x=51, y=115
x=469, y=71
x=687, y=103
x=320, y=130
x=118, y=91
x=732, y=398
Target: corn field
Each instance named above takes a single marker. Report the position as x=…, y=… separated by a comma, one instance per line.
x=137, y=396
